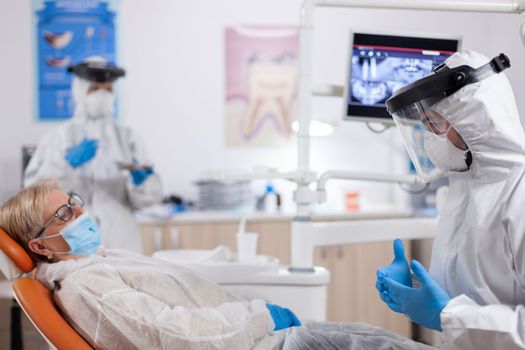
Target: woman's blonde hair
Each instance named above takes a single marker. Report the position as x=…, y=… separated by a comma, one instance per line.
x=21, y=216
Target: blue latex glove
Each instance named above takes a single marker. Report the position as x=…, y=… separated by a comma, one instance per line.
x=398, y=271
x=283, y=318
x=424, y=304
x=81, y=153
x=139, y=176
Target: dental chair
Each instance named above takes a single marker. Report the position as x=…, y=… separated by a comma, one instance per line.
x=35, y=299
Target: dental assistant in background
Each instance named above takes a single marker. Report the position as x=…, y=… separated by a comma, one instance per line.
x=96, y=157
x=475, y=291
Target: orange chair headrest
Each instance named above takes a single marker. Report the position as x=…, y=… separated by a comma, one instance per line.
x=15, y=253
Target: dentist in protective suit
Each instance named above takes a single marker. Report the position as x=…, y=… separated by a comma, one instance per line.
x=96, y=157
x=475, y=291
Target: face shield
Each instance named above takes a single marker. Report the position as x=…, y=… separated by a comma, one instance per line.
x=433, y=145
x=95, y=71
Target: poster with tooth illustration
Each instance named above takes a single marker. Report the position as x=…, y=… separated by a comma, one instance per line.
x=262, y=70
x=68, y=32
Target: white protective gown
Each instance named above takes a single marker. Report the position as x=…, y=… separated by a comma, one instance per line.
x=107, y=190
x=479, y=254
x=122, y=300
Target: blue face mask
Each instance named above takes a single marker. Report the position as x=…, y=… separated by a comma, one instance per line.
x=82, y=235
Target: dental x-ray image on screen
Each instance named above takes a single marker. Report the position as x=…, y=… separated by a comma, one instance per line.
x=381, y=64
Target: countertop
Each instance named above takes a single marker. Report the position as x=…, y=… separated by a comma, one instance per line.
x=159, y=216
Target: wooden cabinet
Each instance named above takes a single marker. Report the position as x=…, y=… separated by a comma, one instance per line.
x=352, y=296
x=274, y=236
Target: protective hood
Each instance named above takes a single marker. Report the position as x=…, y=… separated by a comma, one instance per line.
x=486, y=117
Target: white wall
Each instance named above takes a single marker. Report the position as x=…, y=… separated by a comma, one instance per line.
x=173, y=94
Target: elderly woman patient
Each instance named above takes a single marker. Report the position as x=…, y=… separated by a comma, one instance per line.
x=121, y=300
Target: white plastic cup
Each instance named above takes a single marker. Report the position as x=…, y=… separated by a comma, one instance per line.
x=247, y=247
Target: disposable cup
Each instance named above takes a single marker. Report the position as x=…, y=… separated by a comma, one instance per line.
x=247, y=247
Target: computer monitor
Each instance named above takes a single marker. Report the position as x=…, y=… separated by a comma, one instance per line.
x=379, y=64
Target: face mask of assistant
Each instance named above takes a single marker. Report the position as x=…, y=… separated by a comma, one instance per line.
x=99, y=104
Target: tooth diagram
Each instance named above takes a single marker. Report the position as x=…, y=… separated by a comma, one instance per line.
x=58, y=40
x=271, y=91
x=58, y=62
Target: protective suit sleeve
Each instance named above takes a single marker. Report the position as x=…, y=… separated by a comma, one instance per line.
x=150, y=191
x=110, y=313
x=467, y=325
x=48, y=161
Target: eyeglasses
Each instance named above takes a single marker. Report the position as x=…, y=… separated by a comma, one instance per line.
x=435, y=122
x=64, y=213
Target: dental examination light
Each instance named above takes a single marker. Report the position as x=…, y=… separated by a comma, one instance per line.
x=317, y=128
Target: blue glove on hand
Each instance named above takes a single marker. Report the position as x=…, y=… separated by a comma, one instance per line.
x=81, y=153
x=398, y=271
x=139, y=176
x=283, y=318
x=424, y=304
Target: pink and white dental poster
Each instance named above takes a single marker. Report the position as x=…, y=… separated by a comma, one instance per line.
x=262, y=70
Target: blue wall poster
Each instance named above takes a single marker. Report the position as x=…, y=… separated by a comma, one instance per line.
x=68, y=32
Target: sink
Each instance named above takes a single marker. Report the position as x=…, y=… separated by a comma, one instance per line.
x=219, y=264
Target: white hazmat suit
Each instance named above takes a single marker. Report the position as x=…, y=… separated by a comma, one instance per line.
x=479, y=254
x=107, y=190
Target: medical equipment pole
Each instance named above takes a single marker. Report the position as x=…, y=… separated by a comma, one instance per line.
x=302, y=232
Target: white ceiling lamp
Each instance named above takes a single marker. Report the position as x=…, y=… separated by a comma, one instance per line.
x=317, y=128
